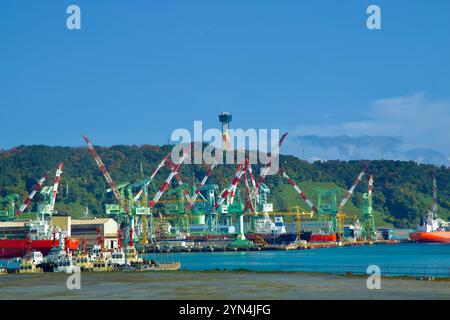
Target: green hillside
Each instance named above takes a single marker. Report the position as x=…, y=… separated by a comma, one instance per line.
x=402, y=190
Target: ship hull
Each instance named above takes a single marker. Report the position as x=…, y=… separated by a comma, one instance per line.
x=318, y=237
x=18, y=248
x=431, y=237
x=285, y=238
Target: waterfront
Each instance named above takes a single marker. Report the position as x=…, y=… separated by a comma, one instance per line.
x=405, y=259
x=271, y=275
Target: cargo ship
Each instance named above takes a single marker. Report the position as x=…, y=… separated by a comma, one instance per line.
x=11, y=248
x=431, y=229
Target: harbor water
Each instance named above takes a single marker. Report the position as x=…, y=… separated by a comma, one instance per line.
x=404, y=259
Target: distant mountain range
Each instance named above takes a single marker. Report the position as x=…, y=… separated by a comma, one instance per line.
x=343, y=147
x=402, y=189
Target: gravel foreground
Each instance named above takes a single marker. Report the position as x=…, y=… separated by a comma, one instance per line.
x=216, y=285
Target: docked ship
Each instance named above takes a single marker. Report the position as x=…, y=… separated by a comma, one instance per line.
x=10, y=248
x=274, y=232
x=38, y=237
x=432, y=229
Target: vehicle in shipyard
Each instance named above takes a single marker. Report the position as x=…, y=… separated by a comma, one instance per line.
x=431, y=228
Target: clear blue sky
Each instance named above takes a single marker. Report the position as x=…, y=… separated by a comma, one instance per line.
x=139, y=69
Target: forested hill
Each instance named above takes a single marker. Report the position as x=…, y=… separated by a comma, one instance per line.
x=402, y=190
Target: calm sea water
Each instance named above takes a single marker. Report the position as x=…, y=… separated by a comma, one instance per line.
x=407, y=259
x=400, y=259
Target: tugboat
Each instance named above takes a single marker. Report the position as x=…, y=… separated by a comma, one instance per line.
x=29, y=263
x=432, y=229
x=82, y=259
x=59, y=259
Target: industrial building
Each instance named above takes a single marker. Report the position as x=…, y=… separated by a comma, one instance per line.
x=86, y=229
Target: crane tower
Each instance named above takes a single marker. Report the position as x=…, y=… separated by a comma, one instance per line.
x=225, y=118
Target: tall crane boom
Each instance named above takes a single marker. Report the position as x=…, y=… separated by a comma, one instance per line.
x=241, y=170
x=434, y=209
x=352, y=188
x=106, y=174
x=27, y=201
x=150, y=179
x=179, y=180
x=252, y=179
x=55, y=186
x=265, y=171
x=249, y=200
x=370, y=186
x=167, y=182
x=299, y=191
x=200, y=186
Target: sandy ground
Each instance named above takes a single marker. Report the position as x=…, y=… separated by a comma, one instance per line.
x=216, y=285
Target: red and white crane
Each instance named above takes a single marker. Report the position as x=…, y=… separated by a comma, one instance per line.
x=200, y=186
x=30, y=197
x=249, y=197
x=252, y=179
x=106, y=174
x=55, y=186
x=352, y=188
x=299, y=191
x=240, y=171
x=266, y=170
x=166, y=183
x=179, y=180
x=150, y=179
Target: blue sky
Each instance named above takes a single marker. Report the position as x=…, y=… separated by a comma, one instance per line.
x=139, y=69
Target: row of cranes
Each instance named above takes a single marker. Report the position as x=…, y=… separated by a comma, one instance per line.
x=212, y=209
x=205, y=206
x=45, y=207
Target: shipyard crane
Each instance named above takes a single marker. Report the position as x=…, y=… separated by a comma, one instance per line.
x=200, y=186
x=49, y=193
x=106, y=174
x=340, y=216
x=172, y=167
x=299, y=191
x=368, y=224
x=146, y=182
x=8, y=208
x=265, y=171
x=166, y=183
x=30, y=197
x=239, y=172
x=55, y=186
x=435, y=207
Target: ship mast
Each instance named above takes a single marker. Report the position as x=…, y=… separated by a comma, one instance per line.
x=434, y=209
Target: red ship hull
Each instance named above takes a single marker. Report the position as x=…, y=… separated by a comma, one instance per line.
x=316, y=237
x=18, y=247
x=431, y=237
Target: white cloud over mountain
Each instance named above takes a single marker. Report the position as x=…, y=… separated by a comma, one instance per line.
x=404, y=128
